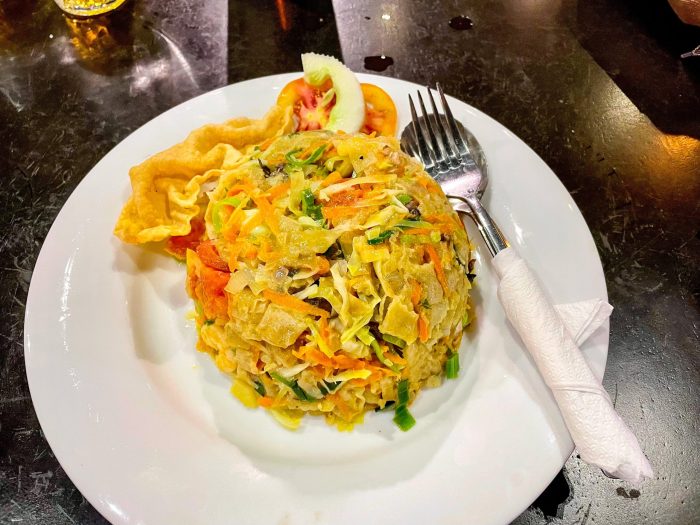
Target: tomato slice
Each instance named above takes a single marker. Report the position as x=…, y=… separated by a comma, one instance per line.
x=209, y=290
x=209, y=255
x=310, y=112
x=380, y=111
x=312, y=107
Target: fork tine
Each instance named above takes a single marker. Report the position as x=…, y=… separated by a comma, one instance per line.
x=408, y=143
x=448, y=147
x=452, y=123
x=428, y=125
x=424, y=152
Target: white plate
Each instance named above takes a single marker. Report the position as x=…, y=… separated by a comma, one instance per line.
x=145, y=427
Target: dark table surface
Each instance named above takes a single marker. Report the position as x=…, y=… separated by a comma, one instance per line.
x=595, y=87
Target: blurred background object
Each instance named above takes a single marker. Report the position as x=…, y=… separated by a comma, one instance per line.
x=88, y=7
x=687, y=10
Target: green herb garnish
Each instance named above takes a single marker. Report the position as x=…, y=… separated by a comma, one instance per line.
x=452, y=366
x=309, y=206
x=328, y=387
x=403, y=418
x=293, y=161
x=381, y=237
x=216, y=210
x=402, y=392
x=394, y=340
x=294, y=386
x=259, y=387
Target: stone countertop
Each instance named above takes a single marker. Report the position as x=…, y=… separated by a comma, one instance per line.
x=596, y=88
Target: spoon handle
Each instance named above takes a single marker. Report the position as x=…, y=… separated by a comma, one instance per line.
x=494, y=238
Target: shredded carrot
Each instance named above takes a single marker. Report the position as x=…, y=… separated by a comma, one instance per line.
x=266, y=143
x=232, y=226
x=315, y=355
x=266, y=253
x=429, y=184
x=345, y=362
x=418, y=231
x=331, y=179
x=342, y=406
x=323, y=328
x=265, y=401
x=345, y=197
x=444, y=221
x=359, y=382
x=422, y=328
x=245, y=187
x=255, y=221
x=292, y=303
x=278, y=190
x=437, y=263
x=268, y=212
x=416, y=291
x=338, y=212
x=323, y=265
x=250, y=253
x=233, y=253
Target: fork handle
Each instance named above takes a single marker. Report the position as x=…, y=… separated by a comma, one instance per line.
x=494, y=238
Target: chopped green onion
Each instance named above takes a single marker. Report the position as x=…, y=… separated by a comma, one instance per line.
x=394, y=340
x=209, y=322
x=408, y=223
x=294, y=386
x=403, y=418
x=402, y=392
x=298, y=163
x=435, y=236
x=309, y=206
x=373, y=233
x=382, y=358
x=452, y=366
x=404, y=198
x=328, y=387
x=367, y=338
x=216, y=210
x=381, y=237
x=259, y=387
x=290, y=158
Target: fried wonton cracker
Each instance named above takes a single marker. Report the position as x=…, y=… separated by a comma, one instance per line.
x=167, y=188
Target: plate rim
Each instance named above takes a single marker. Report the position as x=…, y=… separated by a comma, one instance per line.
x=97, y=503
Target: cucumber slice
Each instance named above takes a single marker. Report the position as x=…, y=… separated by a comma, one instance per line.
x=348, y=114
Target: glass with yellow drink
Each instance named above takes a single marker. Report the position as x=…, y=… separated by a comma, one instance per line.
x=88, y=7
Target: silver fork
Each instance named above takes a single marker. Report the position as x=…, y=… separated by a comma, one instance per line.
x=453, y=157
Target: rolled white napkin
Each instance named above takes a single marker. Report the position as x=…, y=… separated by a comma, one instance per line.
x=600, y=435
